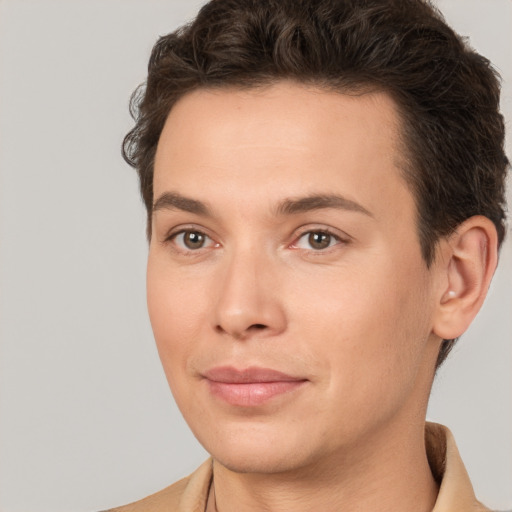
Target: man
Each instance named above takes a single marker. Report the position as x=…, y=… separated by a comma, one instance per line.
x=324, y=183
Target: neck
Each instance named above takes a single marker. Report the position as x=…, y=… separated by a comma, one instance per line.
x=386, y=472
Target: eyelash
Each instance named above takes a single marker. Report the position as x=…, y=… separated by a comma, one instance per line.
x=339, y=240
x=182, y=232
x=171, y=238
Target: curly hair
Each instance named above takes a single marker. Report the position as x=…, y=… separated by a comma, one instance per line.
x=447, y=95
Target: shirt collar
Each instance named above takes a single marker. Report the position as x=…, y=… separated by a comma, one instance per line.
x=455, y=492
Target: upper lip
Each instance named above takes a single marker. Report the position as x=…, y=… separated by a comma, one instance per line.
x=253, y=374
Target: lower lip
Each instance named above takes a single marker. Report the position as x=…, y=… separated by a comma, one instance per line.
x=251, y=394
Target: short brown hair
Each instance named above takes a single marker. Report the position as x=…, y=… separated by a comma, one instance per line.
x=446, y=93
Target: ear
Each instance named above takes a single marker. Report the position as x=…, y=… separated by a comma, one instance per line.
x=466, y=262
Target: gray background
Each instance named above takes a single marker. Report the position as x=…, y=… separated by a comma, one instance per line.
x=87, y=421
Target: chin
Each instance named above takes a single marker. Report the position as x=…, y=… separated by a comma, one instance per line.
x=256, y=462
x=257, y=450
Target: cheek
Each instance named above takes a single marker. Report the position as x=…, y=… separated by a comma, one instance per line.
x=368, y=330
x=175, y=310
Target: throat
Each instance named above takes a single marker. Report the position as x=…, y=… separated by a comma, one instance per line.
x=368, y=487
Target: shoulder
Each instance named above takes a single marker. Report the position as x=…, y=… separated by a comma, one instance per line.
x=189, y=493
x=167, y=499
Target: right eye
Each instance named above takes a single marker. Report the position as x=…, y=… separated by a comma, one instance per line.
x=192, y=240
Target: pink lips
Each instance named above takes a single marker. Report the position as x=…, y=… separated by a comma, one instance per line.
x=251, y=386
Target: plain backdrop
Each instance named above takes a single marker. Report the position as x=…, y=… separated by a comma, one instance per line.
x=86, y=419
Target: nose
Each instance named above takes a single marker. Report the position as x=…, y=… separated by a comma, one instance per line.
x=250, y=303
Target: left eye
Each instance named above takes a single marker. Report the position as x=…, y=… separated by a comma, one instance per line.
x=192, y=240
x=316, y=240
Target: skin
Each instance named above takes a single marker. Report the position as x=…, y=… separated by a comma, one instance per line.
x=234, y=280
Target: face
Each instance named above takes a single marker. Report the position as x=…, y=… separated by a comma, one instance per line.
x=290, y=304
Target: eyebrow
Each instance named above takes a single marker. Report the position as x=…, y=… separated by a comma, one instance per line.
x=175, y=201
x=318, y=202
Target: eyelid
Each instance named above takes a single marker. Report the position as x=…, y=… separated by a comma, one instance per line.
x=174, y=232
x=341, y=237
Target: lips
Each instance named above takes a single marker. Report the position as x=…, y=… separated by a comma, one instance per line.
x=251, y=386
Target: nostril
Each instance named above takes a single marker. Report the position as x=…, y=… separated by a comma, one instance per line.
x=244, y=333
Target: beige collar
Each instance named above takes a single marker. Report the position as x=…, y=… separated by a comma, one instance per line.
x=455, y=492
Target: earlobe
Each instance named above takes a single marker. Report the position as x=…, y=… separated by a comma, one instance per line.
x=465, y=270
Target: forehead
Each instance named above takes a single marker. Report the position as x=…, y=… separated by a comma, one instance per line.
x=307, y=139
x=295, y=113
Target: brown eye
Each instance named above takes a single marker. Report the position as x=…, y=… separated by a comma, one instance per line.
x=319, y=240
x=192, y=240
